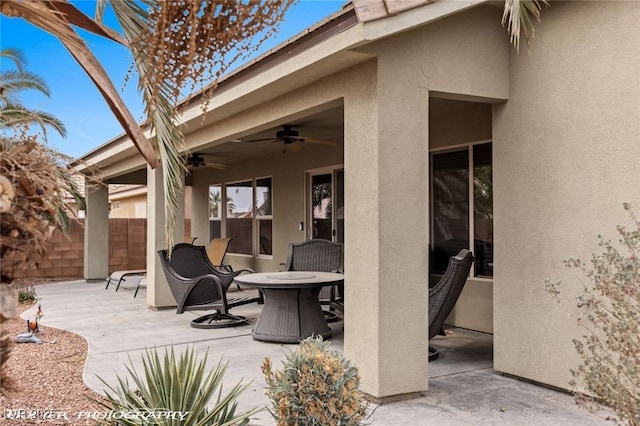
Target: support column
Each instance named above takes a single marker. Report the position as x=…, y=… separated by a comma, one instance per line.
x=200, y=209
x=158, y=292
x=387, y=235
x=96, y=233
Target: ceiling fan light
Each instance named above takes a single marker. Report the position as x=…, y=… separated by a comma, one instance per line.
x=287, y=132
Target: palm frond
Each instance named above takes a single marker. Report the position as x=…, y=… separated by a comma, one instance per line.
x=39, y=14
x=14, y=55
x=162, y=114
x=77, y=18
x=14, y=81
x=520, y=17
x=15, y=115
x=83, y=55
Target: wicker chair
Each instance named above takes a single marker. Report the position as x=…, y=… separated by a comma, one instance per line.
x=318, y=255
x=444, y=295
x=197, y=285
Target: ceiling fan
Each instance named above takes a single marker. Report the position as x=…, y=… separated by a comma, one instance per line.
x=289, y=136
x=196, y=160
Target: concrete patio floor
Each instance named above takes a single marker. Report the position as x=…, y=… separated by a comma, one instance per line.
x=463, y=388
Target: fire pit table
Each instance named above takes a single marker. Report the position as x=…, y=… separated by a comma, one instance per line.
x=291, y=311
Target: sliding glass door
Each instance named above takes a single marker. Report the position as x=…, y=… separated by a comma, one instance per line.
x=326, y=205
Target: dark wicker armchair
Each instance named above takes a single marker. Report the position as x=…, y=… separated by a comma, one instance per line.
x=197, y=285
x=444, y=295
x=318, y=255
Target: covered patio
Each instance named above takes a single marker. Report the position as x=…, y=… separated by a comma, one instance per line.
x=464, y=389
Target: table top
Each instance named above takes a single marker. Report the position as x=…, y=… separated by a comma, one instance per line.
x=290, y=279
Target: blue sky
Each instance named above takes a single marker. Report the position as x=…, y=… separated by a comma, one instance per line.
x=75, y=100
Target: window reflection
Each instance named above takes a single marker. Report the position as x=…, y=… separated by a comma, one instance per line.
x=451, y=204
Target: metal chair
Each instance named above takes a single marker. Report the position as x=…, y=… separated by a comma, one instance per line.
x=197, y=285
x=444, y=295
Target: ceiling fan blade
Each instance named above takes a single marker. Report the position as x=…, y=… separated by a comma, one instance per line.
x=215, y=166
x=263, y=140
x=218, y=155
x=320, y=141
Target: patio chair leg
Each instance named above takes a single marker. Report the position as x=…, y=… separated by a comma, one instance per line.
x=218, y=320
x=433, y=353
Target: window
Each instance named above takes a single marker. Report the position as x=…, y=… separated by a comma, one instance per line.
x=461, y=182
x=115, y=205
x=248, y=215
x=483, y=210
x=264, y=216
x=215, y=211
x=239, y=202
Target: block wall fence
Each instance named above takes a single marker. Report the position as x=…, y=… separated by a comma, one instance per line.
x=65, y=255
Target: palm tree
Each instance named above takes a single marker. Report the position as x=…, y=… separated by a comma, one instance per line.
x=13, y=114
x=165, y=39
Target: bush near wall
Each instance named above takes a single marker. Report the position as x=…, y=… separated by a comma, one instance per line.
x=65, y=254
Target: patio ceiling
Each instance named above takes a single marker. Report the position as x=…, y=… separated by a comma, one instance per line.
x=326, y=125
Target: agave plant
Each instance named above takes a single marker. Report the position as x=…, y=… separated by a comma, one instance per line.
x=174, y=392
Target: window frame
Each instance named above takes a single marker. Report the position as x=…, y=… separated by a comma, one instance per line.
x=222, y=217
x=471, y=196
x=225, y=231
x=255, y=217
x=308, y=222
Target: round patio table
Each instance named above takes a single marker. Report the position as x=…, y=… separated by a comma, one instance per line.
x=291, y=311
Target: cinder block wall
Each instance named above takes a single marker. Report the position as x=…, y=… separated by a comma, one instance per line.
x=127, y=244
x=65, y=254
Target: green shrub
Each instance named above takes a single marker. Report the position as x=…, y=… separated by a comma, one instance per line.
x=316, y=386
x=610, y=350
x=180, y=387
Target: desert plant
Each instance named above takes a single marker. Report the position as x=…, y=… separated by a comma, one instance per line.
x=8, y=304
x=316, y=386
x=26, y=293
x=174, y=392
x=610, y=350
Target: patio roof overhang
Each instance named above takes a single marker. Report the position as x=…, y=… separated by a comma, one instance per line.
x=328, y=47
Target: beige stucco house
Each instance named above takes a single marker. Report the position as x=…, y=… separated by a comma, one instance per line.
x=129, y=201
x=443, y=135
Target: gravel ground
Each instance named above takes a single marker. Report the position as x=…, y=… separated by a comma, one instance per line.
x=46, y=379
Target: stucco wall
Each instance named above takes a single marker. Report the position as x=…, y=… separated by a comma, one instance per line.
x=287, y=171
x=566, y=149
x=460, y=56
x=126, y=207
